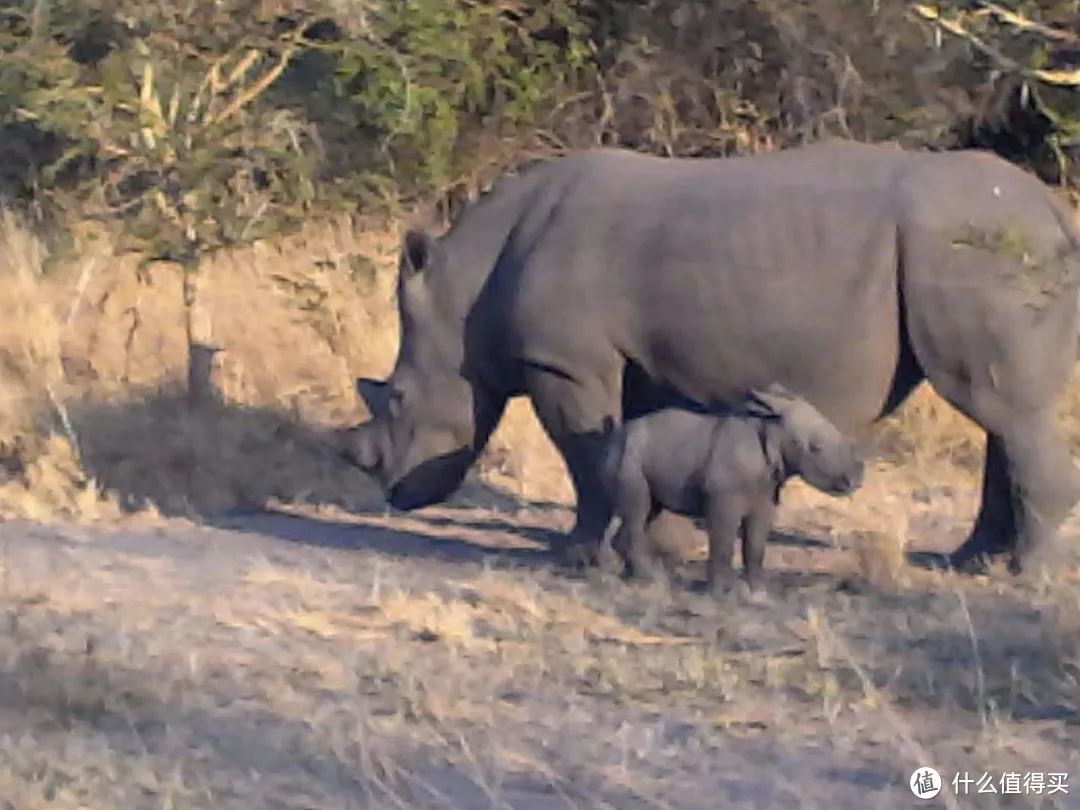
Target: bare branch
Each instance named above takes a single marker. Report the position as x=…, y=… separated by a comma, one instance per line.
x=242, y=67
x=1025, y=24
x=1061, y=78
x=256, y=89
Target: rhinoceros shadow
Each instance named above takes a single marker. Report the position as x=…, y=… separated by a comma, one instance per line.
x=225, y=464
x=363, y=533
x=477, y=525
x=228, y=466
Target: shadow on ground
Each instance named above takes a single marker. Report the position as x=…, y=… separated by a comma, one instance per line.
x=225, y=465
x=219, y=458
x=447, y=541
x=469, y=532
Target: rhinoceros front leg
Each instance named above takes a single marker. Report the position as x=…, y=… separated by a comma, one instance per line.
x=724, y=523
x=572, y=412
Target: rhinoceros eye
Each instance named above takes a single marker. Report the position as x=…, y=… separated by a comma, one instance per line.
x=816, y=448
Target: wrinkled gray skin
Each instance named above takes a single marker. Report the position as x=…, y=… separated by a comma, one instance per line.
x=606, y=283
x=728, y=469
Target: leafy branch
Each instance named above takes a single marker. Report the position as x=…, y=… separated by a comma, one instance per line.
x=177, y=151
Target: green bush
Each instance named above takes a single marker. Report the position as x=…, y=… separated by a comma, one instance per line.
x=412, y=93
x=726, y=76
x=411, y=97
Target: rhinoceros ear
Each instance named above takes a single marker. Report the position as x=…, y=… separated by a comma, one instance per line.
x=772, y=444
x=375, y=393
x=417, y=252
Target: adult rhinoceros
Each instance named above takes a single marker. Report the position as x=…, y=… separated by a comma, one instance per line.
x=597, y=282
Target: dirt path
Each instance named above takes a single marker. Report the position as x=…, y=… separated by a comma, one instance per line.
x=332, y=660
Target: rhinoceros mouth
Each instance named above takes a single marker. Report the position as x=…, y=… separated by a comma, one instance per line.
x=406, y=499
x=430, y=482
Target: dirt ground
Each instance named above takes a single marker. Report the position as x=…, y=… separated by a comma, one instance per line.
x=323, y=658
x=308, y=650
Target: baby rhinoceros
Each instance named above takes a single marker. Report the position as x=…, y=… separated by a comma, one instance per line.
x=726, y=467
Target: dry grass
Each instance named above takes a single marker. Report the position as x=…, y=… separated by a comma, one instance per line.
x=330, y=656
x=200, y=668
x=41, y=475
x=297, y=321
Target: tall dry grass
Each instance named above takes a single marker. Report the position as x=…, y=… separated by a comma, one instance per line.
x=404, y=654
x=90, y=357
x=41, y=472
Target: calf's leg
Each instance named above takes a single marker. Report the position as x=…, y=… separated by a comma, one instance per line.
x=723, y=521
x=636, y=510
x=995, y=522
x=756, y=529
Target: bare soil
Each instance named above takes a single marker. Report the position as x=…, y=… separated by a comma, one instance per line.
x=312, y=650
x=318, y=658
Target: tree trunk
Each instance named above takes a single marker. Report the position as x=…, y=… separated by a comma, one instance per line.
x=200, y=347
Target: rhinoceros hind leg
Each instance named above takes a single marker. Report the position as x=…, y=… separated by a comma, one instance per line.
x=1002, y=354
x=995, y=522
x=1029, y=487
x=1046, y=487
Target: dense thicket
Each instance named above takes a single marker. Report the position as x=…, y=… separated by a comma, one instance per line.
x=359, y=100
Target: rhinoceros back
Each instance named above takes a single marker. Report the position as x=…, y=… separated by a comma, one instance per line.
x=716, y=276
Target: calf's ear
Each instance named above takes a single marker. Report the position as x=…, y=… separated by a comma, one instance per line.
x=772, y=443
x=758, y=404
x=776, y=390
x=769, y=402
x=375, y=394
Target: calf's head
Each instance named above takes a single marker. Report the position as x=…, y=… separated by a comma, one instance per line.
x=428, y=421
x=801, y=441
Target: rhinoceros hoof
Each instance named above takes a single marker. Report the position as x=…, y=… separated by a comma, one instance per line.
x=968, y=563
x=577, y=555
x=755, y=594
x=977, y=555
x=735, y=590
x=1041, y=562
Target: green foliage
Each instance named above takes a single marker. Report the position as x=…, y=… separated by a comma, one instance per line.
x=420, y=77
x=396, y=98
x=161, y=130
